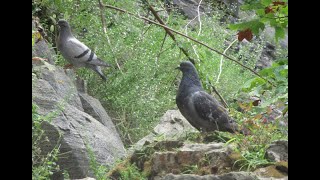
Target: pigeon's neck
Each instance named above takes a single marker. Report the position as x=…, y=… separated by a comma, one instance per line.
x=65, y=33
x=191, y=82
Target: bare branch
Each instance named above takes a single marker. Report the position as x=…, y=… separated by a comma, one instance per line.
x=199, y=17
x=104, y=27
x=164, y=39
x=222, y=100
x=103, y=19
x=224, y=52
x=169, y=32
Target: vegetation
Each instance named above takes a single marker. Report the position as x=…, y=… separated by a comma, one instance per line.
x=142, y=84
x=43, y=165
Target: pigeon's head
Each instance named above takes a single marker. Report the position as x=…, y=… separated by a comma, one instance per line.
x=186, y=66
x=63, y=23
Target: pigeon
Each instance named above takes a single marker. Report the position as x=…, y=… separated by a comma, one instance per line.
x=201, y=110
x=77, y=53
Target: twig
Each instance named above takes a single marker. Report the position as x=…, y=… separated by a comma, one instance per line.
x=222, y=100
x=276, y=17
x=103, y=19
x=199, y=17
x=203, y=44
x=104, y=27
x=146, y=30
x=186, y=30
x=221, y=60
x=164, y=39
x=169, y=32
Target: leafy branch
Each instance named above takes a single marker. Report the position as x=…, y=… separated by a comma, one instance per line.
x=197, y=41
x=272, y=12
x=155, y=14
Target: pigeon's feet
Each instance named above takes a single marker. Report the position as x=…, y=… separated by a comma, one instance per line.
x=68, y=66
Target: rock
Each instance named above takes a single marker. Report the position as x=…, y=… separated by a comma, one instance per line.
x=210, y=158
x=271, y=172
x=94, y=108
x=173, y=125
x=277, y=151
x=87, y=178
x=267, y=56
x=41, y=48
x=77, y=123
x=189, y=8
x=271, y=49
x=227, y=176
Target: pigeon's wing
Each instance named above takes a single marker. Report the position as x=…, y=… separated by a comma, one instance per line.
x=208, y=108
x=81, y=53
x=77, y=50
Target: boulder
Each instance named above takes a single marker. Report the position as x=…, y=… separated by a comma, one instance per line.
x=227, y=176
x=278, y=151
x=78, y=125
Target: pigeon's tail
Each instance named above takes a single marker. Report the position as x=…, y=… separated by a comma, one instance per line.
x=103, y=77
x=103, y=63
x=97, y=69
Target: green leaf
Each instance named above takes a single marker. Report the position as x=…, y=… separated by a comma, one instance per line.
x=51, y=28
x=254, y=25
x=260, y=12
x=266, y=2
x=283, y=61
x=279, y=33
x=33, y=41
x=281, y=90
x=251, y=6
x=252, y=83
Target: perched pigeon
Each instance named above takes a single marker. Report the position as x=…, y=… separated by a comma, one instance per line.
x=77, y=53
x=202, y=110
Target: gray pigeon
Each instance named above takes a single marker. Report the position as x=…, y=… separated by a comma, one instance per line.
x=202, y=110
x=77, y=53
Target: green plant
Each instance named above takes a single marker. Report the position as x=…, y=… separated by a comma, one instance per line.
x=190, y=169
x=99, y=171
x=142, y=84
x=252, y=160
x=132, y=172
x=271, y=12
x=124, y=170
x=43, y=165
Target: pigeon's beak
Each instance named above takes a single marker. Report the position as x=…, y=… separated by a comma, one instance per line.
x=177, y=67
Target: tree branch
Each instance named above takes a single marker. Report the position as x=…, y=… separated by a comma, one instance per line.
x=104, y=27
x=203, y=44
x=222, y=100
x=224, y=52
x=199, y=19
x=169, y=32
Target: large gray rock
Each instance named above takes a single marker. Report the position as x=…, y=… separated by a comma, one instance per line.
x=267, y=56
x=78, y=123
x=227, y=176
x=172, y=126
x=278, y=151
x=211, y=158
x=190, y=7
x=271, y=50
x=94, y=108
